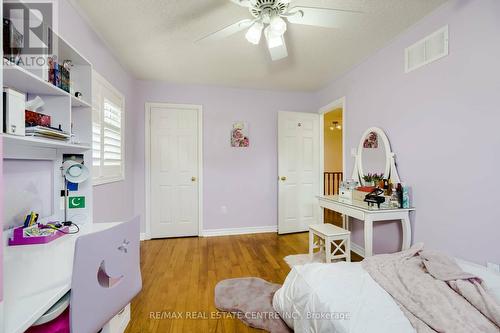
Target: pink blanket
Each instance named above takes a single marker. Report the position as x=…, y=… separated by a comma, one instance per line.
x=434, y=293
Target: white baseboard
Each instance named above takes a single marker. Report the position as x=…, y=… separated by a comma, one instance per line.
x=238, y=231
x=357, y=249
x=144, y=236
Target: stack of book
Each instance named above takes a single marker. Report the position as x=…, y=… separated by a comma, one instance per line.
x=59, y=75
x=47, y=132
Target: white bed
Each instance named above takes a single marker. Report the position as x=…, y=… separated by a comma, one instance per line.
x=342, y=297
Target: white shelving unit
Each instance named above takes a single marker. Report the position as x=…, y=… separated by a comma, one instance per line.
x=31, y=141
x=59, y=104
x=22, y=307
x=78, y=103
x=23, y=80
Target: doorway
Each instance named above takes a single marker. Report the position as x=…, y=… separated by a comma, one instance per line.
x=332, y=153
x=173, y=170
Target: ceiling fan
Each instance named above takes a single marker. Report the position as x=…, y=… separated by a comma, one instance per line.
x=269, y=19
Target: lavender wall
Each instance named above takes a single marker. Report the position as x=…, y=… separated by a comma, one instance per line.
x=442, y=121
x=112, y=202
x=243, y=180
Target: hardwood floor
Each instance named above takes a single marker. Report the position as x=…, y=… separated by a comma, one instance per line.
x=179, y=276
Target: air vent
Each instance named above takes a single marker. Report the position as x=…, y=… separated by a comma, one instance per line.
x=427, y=50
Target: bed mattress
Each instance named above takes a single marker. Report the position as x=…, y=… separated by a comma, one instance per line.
x=340, y=297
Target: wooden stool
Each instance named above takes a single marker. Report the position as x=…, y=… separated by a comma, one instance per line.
x=328, y=233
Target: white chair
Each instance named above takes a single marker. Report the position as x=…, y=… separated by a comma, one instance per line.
x=329, y=234
x=106, y=275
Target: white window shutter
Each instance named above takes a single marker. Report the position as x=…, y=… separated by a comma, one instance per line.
x=96, y=132
x=112, y=139
x=107, y=130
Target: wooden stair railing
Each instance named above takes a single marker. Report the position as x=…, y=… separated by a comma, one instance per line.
x=331, y=185
x=331, y=182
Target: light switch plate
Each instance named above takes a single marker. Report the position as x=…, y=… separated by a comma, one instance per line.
x=353, y=152
x=493, y=267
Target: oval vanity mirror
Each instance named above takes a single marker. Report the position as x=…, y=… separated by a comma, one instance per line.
x=374, y=157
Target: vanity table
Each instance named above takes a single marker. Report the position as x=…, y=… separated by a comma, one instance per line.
x=368, y=215
x=373, y=156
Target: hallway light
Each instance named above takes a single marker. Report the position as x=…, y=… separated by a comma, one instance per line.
x=335, y=125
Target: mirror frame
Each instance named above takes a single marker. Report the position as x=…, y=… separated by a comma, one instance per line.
x=390, y=171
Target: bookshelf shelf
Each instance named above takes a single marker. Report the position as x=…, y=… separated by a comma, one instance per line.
x=79, y=103
x=22, y=80
x=9, y=139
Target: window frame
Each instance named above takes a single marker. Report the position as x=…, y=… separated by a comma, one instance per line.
x=98, y=81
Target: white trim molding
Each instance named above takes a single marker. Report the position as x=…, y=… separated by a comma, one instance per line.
x=358, y=249
x=238, y=231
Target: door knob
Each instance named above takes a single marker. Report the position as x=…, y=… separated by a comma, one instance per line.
x=193, y=179
x=283, y=178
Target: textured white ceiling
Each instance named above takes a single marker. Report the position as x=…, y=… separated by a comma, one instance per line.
x=154, y=40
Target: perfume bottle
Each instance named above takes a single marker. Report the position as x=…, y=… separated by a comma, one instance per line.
x=399, y=191
x=394, y=199
x=406, y=197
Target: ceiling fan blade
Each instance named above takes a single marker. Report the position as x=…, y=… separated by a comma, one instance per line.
x=322, y=17
x=227, y=31
x=277, y=46
x=242, y=3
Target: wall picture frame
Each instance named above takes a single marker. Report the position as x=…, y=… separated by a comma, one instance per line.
x=239, y=135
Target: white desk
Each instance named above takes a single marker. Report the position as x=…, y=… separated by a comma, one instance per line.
x=361, y=211
x=37, y=276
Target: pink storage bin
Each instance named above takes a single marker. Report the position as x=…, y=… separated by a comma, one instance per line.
x=55, y=320
x=19, y=239
x=58, y=325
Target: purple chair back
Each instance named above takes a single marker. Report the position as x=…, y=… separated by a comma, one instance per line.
x=106, y=275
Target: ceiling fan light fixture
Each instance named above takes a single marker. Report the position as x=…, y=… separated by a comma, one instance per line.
x=273, y=39
x=254, y=34
x=278, y=25
x=274, y=16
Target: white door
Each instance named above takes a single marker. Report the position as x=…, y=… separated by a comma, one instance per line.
x=174, y=171
x=298, y=171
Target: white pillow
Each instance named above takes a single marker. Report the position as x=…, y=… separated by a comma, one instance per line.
x=490, y=278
